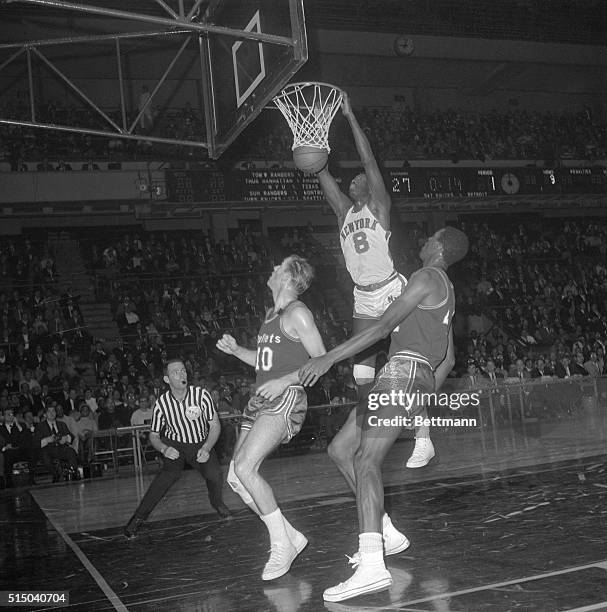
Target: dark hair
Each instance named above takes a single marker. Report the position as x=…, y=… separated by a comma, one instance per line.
x=169, y=362
x=455, y=244
x=300, y=271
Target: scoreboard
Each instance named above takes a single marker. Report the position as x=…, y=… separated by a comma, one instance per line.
x=284, y=184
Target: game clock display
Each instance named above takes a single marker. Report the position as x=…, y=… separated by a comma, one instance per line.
x=288, y=185
x=443, y=183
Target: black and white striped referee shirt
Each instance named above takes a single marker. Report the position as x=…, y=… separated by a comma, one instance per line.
x=186, y=421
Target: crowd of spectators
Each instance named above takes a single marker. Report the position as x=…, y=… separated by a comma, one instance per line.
x=449, y=135
x=532, y=293
x=395, y=133
x=184, y=287
x=541, y=287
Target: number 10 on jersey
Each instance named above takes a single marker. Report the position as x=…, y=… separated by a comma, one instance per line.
x=264, y=357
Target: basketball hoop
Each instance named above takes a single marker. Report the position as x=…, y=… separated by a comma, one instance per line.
x=309, y=109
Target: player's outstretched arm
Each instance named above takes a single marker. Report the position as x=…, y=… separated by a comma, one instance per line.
x=302, y=322
x=375, y=180
x=419, y=288
x=338, y=201
x=228, y=345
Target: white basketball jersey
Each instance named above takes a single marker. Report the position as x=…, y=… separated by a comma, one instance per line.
x=364, y=243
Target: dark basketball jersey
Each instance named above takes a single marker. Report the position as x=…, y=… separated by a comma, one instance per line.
x=278, y=353
x=424, y=334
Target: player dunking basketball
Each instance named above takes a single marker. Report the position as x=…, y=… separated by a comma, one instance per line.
x=364, y=222
x=421, y=355
x=276, y=413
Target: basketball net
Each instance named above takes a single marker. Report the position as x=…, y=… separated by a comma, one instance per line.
x=309, y=109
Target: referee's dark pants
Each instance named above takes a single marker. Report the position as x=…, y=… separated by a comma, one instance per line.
x=171, y=472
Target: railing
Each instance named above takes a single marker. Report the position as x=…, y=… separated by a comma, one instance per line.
x=511, y=407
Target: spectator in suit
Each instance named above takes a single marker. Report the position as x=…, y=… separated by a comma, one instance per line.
x=26, y=400
x=540, y=369
x=564, y=369
x=63, y=396
x=551, y=364
x=578, y=365
x=37, y=359
x=142, y=365
x=54, y=439
x=99, y=356
x=493, y=376
x=472, y=378
x=70, y=418
x=14, y=447
x=519, y=371
x=71, y=403
x=38, y=400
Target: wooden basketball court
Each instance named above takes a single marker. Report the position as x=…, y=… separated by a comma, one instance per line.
x=516, y=523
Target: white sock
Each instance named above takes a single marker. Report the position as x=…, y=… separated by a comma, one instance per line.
x=276, y=526
x=291, y=531
x=371, y=548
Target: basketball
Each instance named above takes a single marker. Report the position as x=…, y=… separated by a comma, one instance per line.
x=310, y=159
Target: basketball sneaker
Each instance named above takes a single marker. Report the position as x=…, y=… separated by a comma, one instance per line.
x=422, y=453
x=365, y=580
x=282, y=555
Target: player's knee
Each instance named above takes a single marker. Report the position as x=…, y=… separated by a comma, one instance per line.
x=338, y=453
x=363, y=374
x=236, y=485
x=242, y=467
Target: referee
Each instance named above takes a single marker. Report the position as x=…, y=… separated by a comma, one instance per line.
x=184, y=429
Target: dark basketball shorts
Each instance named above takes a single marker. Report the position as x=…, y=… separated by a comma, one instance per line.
x=407, y=382
x=290, y=406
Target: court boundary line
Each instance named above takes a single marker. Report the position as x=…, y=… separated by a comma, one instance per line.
x=92, y=570
x=496, y=585
x=600, y=606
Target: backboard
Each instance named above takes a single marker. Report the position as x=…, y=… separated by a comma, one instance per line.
x=243, y=75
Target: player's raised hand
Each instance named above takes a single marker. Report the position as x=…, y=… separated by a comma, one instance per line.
x=227, y=344
x=311, y=371
x=346, y=107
